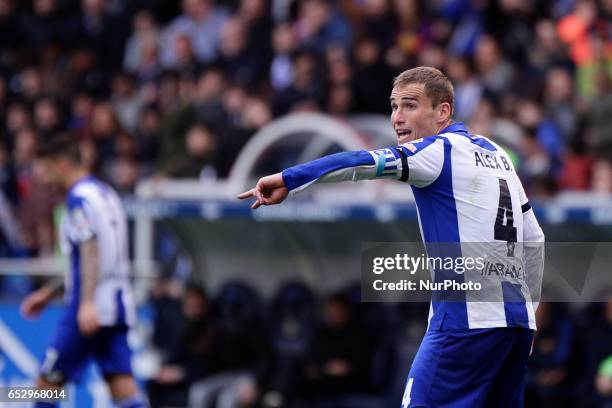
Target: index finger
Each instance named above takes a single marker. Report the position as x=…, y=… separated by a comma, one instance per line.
x=246, y=194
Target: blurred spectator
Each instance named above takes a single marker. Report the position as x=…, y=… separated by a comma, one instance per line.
x=495, y=71
x=9, y=25
x=371, y=83
x=339, y=68
x=124, y=175
x=241, y=357
x=408, y=37
x=303, y=91
x=577, y=169
x=26, y=142
x=290, y=330
x=36, y=218
x=432, y=56
x=242, y=64
x=468, y=90
x=336, y=364
x=80, y=114
x=8, y=178
x=18, y=116
x=602, y=176
x=23, y=154
x=126, y=101
x=599, y=119
x=484, y=122
x=30, y=84
x=201, y=150
x=205, y=107
x=201, y=21
x=558, y=100
x=41, y=25
x=186, y=64
x=147, y=135
x=596, y=347
x=256, y=114
x=89, y=154
x=48, y=118
x=103, y=130
x=546, y=133
x=320, y=25
x=469, y=19
x=149, y=68
x=101, y=32
x=549, y=364
x=514, y=29
x=377, y=22
x=255, y=15
x=190, y=358
x=145, y=32
x=604, y=382
x=573, y=30
x=339, y=100
x=548, y=50
x=284, y=44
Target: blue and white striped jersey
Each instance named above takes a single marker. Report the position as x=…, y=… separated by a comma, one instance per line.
x=466, y=191
x=95, y=211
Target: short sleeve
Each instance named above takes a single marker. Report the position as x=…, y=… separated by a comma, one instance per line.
x=81, y=223
x=424, y=160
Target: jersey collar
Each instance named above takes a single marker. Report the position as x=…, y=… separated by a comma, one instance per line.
x=457, y=127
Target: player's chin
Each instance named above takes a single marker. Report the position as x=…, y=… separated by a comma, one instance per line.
x=404, y=139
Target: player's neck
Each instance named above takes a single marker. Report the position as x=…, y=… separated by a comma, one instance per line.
x=74, y=176
x=444, y=126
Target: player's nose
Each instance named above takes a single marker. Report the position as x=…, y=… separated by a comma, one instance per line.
x=397, y=118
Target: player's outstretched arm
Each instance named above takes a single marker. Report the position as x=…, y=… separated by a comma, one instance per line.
x=345, y=166
x=268, y=190
x=36, y=301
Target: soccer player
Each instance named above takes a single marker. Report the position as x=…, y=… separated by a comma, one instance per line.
x=474, y=354
x=98, y=292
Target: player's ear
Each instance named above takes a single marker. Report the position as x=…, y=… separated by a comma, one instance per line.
x=445, y=111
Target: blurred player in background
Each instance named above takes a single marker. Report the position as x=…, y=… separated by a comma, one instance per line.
x=466, y=190
x=100, y=304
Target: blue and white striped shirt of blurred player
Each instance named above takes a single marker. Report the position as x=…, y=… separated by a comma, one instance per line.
x=463, y=185
x=95, y=210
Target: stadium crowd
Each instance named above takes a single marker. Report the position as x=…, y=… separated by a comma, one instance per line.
x=154, y=88
x=175, y=89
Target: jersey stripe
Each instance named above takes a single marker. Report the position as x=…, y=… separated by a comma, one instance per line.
x=438, y=217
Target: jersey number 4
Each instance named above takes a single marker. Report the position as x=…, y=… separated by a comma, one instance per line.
x=505, y=231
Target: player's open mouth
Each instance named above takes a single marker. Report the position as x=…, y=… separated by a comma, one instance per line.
x=401, y=133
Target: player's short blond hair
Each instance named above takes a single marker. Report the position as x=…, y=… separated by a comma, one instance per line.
x=438, y=87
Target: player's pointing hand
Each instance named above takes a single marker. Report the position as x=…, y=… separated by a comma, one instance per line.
x=269, y=190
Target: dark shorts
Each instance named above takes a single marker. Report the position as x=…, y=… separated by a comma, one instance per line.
x=469, y=368
x=69, y=351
